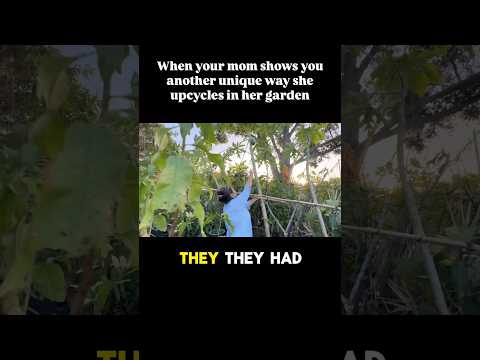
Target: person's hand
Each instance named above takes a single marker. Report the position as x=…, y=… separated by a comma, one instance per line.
x=250, y=178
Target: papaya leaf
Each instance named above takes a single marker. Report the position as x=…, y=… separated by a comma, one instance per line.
x=49, y=280
x=208, y=132
x=160, y=222
x=103, y=291
x=199, y=213
x=161, y=138
x=73, y=208
x=48, y=133
x=159, y=160
x=110, y=59
x=196, y=189
x=52, y=80
x=177, y=176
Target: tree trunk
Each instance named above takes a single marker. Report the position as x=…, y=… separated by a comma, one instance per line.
x=262, y=203
x=275, y=172
x=314, y=198
x=477, y=151
x=414, y=213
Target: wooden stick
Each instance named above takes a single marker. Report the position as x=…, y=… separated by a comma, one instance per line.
x=314, y=196
x=277, y=199
x=413, y=212
x=262, y=204
x=430, y=239
x=477, y=151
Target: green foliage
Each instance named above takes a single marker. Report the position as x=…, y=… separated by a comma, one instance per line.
x=71, y=211
x=72, y=183
x=415, y=66
x=176, y=181
x=49, y=280
x=53, y=81
x=110, y=60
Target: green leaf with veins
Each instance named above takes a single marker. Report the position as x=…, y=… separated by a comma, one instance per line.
x=199, y=213
x=49, y=280
x=176, y=179
x=53, y=82
x=160, y=222
x=74, y=208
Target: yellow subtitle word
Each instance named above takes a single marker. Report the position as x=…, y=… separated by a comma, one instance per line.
x=117, y=355
x=198, y=257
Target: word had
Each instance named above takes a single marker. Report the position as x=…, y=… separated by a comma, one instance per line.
x=285, y=258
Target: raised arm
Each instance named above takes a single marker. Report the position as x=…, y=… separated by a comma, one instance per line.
x=248, y=188
x=250, y=179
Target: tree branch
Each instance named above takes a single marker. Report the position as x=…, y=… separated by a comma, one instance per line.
x=368, y=59
x=316, y=152
x=293, y=129
x=277, y=150
x=413, y=212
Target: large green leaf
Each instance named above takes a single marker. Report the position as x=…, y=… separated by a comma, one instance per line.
x=146, y=218
x=103, y=291
x=196, y=189
x=48, y=133
x=127, y=214
x=159, y=160
x=74, y=208
x=52, y=80
x=15, y=278
x=199, y=213
x=49, y=280
x=160, y=222
x=177, y=179
x=161, y=138
x=22, y=265
x=208, y=132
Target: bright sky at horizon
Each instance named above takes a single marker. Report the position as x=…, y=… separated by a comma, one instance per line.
x=332, y=163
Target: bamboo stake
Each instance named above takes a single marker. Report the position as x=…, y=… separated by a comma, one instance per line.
x=477, y=152
x=412, y=208
x=415, y=237
x=277, y=199
x=314, y=196
x=262, y=204
x=273, y=198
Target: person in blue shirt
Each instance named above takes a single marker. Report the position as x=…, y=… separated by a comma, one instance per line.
x=236, y=207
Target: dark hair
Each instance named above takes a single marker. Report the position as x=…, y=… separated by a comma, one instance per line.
x=224, y=195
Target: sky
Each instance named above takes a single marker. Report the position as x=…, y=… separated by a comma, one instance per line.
x=451, y=141
x=332, y=162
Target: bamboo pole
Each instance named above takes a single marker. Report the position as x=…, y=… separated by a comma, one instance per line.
x=477, y=151
x=430, y=267
x=262, y=203
x=314, y=196
x=273, y=198
x=415, y=237
x=277, y=199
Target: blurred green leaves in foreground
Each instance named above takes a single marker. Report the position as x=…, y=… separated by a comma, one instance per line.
x=68, y=179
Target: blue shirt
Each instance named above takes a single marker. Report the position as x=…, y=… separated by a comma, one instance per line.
x=237, y=211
